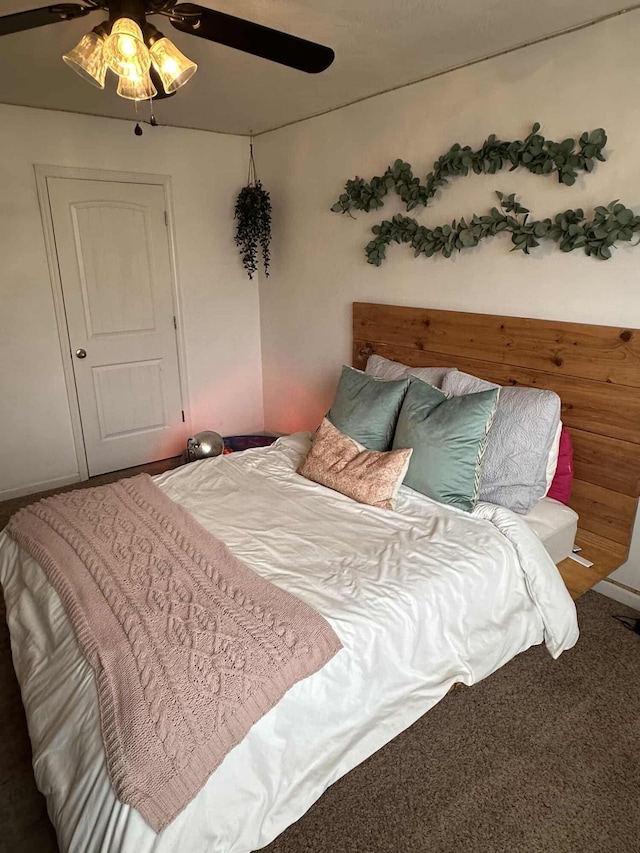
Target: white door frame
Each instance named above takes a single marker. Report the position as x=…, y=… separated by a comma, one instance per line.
x=44, y=172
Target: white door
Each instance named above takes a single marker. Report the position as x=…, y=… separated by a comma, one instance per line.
x=113, y=253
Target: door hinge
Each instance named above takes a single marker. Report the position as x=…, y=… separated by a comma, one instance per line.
x=175, y=323
x=166, y=218
x=183, y=416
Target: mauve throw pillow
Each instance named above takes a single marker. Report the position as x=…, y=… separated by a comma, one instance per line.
x=563, y=479
x=368, y=476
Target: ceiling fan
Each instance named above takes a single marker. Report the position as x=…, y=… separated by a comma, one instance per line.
x=147, y=64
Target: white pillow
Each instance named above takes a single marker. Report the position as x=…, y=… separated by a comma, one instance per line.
x=384, y=368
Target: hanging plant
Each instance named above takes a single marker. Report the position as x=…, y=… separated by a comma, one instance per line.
x=253, y=215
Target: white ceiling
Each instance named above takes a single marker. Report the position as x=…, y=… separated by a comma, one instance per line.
x=379, y=45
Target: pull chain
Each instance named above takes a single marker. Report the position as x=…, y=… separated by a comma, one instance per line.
x=152, y=118
x=137, y=129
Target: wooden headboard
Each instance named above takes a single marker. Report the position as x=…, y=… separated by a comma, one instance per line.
x=594, y=369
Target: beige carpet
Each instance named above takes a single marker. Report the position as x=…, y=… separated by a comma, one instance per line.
x=542, y=757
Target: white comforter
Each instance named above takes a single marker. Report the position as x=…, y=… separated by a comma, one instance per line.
x=420, y=598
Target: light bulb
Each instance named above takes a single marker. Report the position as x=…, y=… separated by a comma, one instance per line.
x=170, y=66
x=87, y=58
x=128, y=46
x=125, y=51
x=173, y=67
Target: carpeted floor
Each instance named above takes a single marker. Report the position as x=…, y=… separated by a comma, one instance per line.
x=542, y=757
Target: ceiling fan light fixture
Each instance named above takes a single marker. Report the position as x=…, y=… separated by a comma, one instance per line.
x=87, y=58
x=146, y=63
x=137, y=88
x=124, y=50
x=173, y=67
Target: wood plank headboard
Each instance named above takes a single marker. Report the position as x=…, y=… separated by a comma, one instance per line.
x=594, y=369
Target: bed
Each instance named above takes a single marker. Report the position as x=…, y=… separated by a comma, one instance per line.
x=421, y=598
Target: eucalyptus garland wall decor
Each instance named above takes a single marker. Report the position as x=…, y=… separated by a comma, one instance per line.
x=570, y=229
x=253, y=215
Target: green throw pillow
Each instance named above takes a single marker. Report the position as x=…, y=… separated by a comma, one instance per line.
x=366, y=409
x=448, y=436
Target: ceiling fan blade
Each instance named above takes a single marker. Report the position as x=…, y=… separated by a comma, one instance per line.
x=41, y=17
x=251, y=38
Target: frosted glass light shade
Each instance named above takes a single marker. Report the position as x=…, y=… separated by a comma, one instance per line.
x=173, y=67
x=140, y=89
x=87, y=59
x=125, y=51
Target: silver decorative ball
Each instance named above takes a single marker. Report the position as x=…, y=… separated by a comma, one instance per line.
x=204, y=444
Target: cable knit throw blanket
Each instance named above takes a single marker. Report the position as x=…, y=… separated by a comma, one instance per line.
x=189, y=647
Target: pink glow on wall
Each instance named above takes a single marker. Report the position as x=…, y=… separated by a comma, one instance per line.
x=302, y=404
x=208, y=409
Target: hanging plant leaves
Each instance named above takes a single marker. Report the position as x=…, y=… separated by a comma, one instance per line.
x=253, y=215
x=253, y=229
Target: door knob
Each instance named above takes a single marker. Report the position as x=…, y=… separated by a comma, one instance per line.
x=81, y=353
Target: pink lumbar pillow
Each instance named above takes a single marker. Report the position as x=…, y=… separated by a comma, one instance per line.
x=368, y=476
x=561, y=487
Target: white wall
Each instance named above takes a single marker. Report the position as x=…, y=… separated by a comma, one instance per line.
x=570, y=84
x=219, y=304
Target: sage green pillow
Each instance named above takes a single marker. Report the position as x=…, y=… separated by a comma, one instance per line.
x=366, y=409
x=448, y=436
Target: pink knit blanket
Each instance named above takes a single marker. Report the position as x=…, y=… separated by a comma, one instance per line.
x=189, y=646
